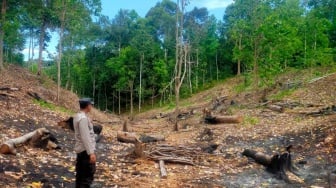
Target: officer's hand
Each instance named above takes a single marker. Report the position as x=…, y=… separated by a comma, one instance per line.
x=93, y=158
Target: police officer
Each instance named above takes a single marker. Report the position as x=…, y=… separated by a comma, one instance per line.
x=85, y=145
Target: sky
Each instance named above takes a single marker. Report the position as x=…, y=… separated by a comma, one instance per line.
x=111, y=7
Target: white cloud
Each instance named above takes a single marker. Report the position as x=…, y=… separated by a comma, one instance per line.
x=212, y=4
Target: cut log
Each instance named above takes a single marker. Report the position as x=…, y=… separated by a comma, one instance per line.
x=126, y=137
x=320, y=78
x=163, y=170
x=324, y=111
x=223, y=119
x=151, y=138
x=276, y=108
x=132, y=138
x=278, y=164
x=9, y=89
x=40, y=138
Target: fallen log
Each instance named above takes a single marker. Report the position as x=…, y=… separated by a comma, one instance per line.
x=7, y=95
x=163, y=170
x=40, y=138
x=324, y=111
x=126, y=137
x=278, y=164
x=35, y=96
x=9, y=89
x=185, y=115
x=223, y=119
x=151, y=138
x=276, y=108
x=320, y=78
x=132, y=138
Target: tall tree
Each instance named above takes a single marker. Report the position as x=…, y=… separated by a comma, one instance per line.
x=181, y=55
x=2, y=31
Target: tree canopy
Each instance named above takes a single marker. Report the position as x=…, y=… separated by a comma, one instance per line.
x=126, y=59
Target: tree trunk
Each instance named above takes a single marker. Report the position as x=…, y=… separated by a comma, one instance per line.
x=177, y=79
x=197, y=69
x=119, y=105
x=105, y=94
x=153, y=95
x=69, y=68
x=94, y=85
x=113, y=101
x=41, y=46
x=140, y=90
x=240, y=50
x=131, y=86
x=255, y=62
x=2, y=32
x=189, y=74
x=60, y=49
x=217, y=69
x=29, y=47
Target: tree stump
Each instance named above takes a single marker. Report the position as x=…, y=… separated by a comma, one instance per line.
x=126, y=137
x=278, y=164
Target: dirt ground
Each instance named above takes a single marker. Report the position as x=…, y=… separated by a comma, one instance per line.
x=313, y=138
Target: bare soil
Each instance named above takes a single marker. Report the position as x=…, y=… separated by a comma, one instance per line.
x=313, y=138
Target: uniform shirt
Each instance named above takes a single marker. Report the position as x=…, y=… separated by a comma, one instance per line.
x=84, y=135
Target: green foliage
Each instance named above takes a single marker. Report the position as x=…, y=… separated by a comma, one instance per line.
x=112, y=59
x=282, y=94
x=250, y=121
x=52, y=107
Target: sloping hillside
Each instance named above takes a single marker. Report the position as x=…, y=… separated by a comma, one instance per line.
x=16, y=87
x=313, y=136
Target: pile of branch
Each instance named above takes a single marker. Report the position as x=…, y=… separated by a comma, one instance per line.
x=174, y=154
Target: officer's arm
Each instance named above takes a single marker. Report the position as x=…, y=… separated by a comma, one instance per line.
x=85, y=135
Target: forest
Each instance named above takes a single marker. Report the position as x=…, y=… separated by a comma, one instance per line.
x=130, y=62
